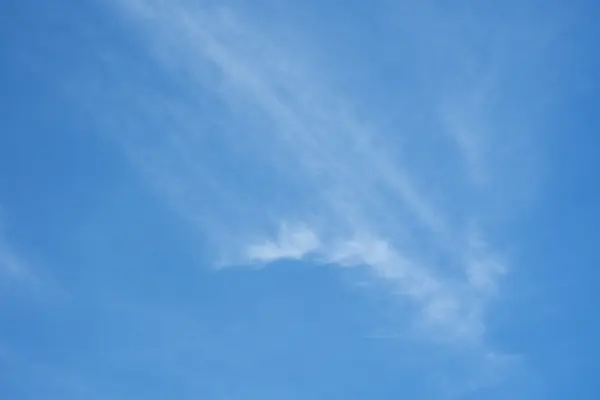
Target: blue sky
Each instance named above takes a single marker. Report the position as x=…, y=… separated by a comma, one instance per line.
x=299, y=200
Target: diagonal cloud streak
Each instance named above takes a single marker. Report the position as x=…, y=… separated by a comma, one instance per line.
x=303, y=176
x=13, y=266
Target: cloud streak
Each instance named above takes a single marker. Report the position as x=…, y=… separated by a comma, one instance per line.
x=292, y=244
x=12, y=266
x=292, y=148
x=10, y=263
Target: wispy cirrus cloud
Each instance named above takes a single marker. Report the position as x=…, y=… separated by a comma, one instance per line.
x=290, y=244
x=12, y=265
x=259, y=139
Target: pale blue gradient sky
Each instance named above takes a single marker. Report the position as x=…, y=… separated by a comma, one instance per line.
x=298, y=200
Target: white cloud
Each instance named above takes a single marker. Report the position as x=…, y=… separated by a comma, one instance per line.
x=370, y=209
x=290, y=148
x=450, y=311
x=291, y=243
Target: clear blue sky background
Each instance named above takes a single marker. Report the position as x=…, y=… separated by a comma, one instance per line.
x=299, y=200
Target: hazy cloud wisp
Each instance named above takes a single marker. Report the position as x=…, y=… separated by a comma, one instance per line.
x=312, y=159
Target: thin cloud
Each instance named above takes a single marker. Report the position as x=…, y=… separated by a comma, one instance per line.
x=12, y=265
x=291, y=243
x=359, y=203
x=357, y=185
